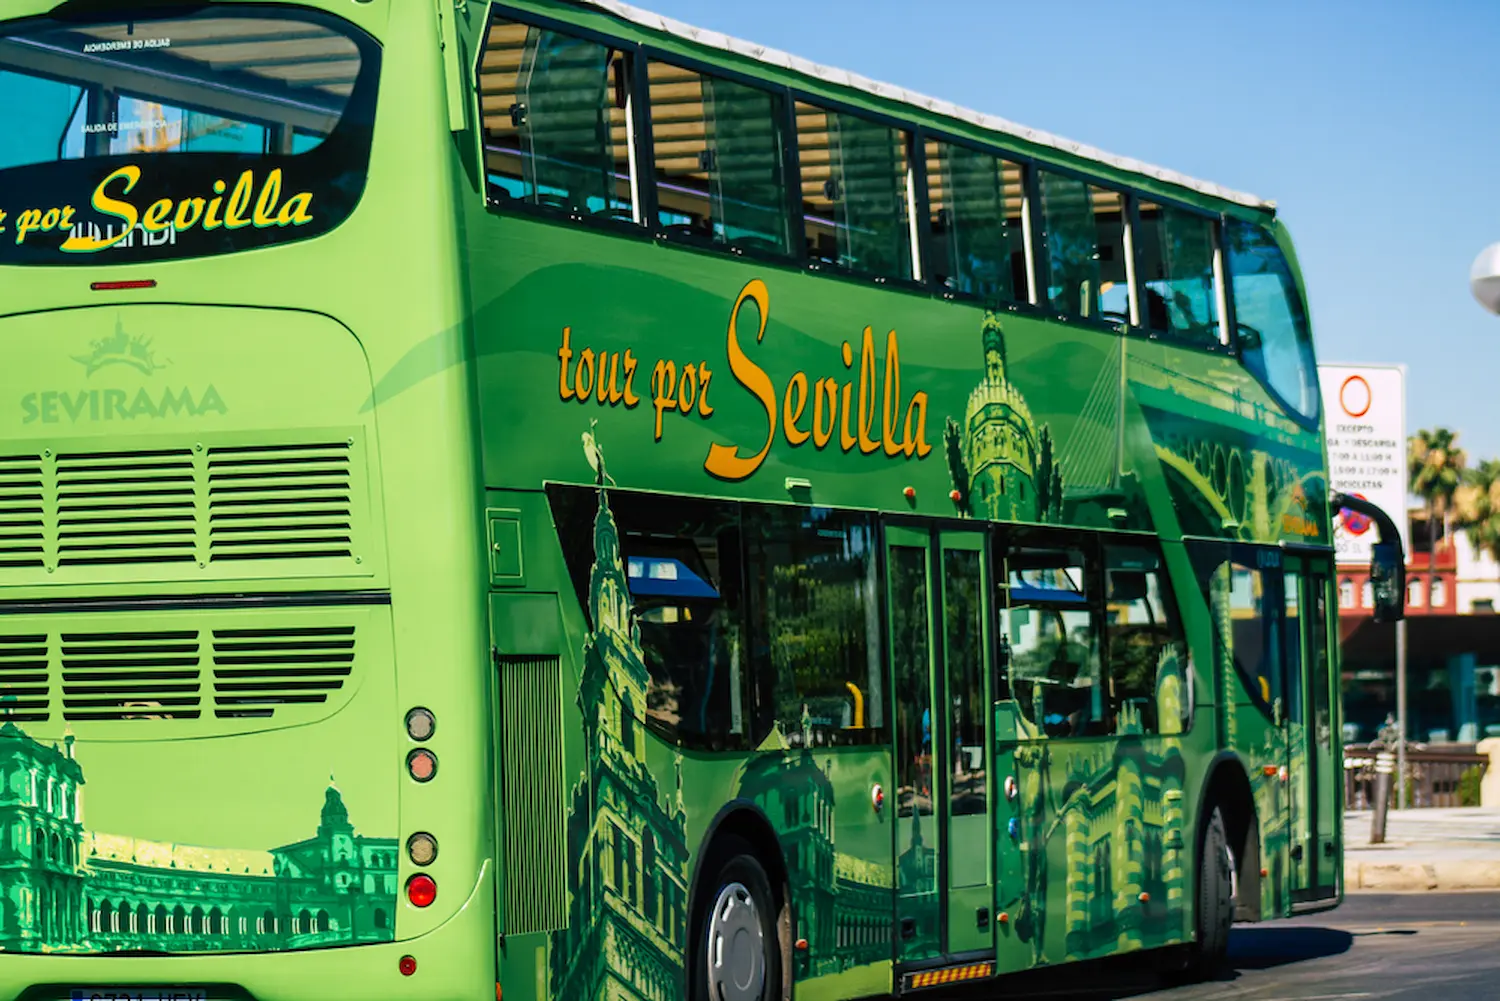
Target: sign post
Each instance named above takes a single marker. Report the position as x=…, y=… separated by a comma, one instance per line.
x=1364, y=407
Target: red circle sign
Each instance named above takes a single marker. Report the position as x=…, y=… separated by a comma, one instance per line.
x=1355, y=396
x=1354, y=522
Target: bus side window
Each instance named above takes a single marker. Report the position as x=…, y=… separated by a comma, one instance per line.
x=815, y=625
x=978, y=242
x=1248, y=600
x=1085, y=249
x=854, y=201
x=1175, y=249
x=682, y=563
x=1051, y=631
x=1146, y=652
x=555, y=112
x=720, y=160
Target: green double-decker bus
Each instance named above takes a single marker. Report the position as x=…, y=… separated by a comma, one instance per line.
x=535, y=494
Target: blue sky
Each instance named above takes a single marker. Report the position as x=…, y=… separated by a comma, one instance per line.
x=1374, y=126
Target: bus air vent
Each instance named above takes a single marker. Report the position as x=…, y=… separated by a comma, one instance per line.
x=23, y=678
x=256, y=670
x=125, y=507
x=531, y=788
x=130, y=675
x=271, y=502
x=21, y=532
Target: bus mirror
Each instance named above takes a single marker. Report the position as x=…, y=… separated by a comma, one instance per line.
x=1387, y=560
x=1388, y=582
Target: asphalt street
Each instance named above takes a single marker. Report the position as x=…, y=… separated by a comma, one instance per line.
x=1376, y=947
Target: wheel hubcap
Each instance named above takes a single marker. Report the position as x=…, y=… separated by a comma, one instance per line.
x=736, y=947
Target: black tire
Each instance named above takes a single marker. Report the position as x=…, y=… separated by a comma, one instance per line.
x=1214, y=904
x=739, y=868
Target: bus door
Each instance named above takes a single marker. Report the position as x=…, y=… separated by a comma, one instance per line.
x=936, y=587
x=1313, y=774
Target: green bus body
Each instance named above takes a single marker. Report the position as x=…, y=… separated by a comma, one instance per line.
x=430, y=455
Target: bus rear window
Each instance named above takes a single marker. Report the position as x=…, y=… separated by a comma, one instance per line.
x=189, y=135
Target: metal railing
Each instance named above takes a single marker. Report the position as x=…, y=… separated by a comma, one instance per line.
x=1433, y=774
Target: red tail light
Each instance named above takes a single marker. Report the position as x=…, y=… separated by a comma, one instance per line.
x=421, y=890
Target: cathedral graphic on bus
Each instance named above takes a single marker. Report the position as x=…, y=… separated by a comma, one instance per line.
x=66, y=888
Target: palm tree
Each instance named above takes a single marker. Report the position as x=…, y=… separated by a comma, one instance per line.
x=1476, y=506
x=1435, y=464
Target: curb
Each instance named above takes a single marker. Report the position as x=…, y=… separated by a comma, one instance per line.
x=1458, y=874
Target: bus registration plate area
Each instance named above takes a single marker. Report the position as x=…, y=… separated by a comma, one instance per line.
x=137, y=993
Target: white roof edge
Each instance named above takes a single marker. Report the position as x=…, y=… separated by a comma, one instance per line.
x=844, y=78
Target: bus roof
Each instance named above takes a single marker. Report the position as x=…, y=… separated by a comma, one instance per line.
x=891, y=92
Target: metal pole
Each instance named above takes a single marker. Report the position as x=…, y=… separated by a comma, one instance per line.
x=1384, y=763
x=1401, y=713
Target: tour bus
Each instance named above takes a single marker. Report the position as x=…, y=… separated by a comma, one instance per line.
x=534, y=493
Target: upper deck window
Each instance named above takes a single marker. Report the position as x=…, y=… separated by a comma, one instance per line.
x=854, y=192
x=977, y=243
x=1175, y=250
x=201, y=133
x=720, y=160
x=556, y=121
x=1270, y=318
x=1085, y=239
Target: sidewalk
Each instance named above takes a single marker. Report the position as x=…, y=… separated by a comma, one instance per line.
x=1434, y=849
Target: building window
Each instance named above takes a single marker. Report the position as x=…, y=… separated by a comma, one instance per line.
x=1366, y=595
x=1439, y=593
x=1414, y=592
x=1346, y=593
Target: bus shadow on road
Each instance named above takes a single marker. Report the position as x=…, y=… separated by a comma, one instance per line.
x=1270, y=947
x=1119, y=978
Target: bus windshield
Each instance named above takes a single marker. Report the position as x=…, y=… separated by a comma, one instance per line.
x=188, y=135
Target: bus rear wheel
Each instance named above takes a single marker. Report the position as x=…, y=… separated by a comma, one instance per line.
x=741, y=940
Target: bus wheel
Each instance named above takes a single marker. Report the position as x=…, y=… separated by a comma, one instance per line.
x=740, y=940
x=1215, y=904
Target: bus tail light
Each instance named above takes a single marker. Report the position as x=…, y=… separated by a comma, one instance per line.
x=407, y=965
x=422, y=764
x=421, y=890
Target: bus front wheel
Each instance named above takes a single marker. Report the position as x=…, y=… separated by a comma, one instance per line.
x=742, y=935
x=1214, y=908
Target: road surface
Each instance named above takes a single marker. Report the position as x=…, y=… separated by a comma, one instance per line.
x=1376, y=947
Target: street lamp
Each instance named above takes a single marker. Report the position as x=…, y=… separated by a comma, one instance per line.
x=1484, y=278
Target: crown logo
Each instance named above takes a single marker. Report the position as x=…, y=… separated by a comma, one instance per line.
x=121, y=348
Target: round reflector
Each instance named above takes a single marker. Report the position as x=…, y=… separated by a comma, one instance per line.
x=422, y=764
x=421, y=890
x=407, y=966
x=422, y=848
x=420, y=723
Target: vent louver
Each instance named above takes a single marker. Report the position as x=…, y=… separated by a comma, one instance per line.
x=536, y=850
x=23, y=678
x=280, y=502
x=21, y=511
x=130, y=675
x=256, y=670
x=126, y=507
